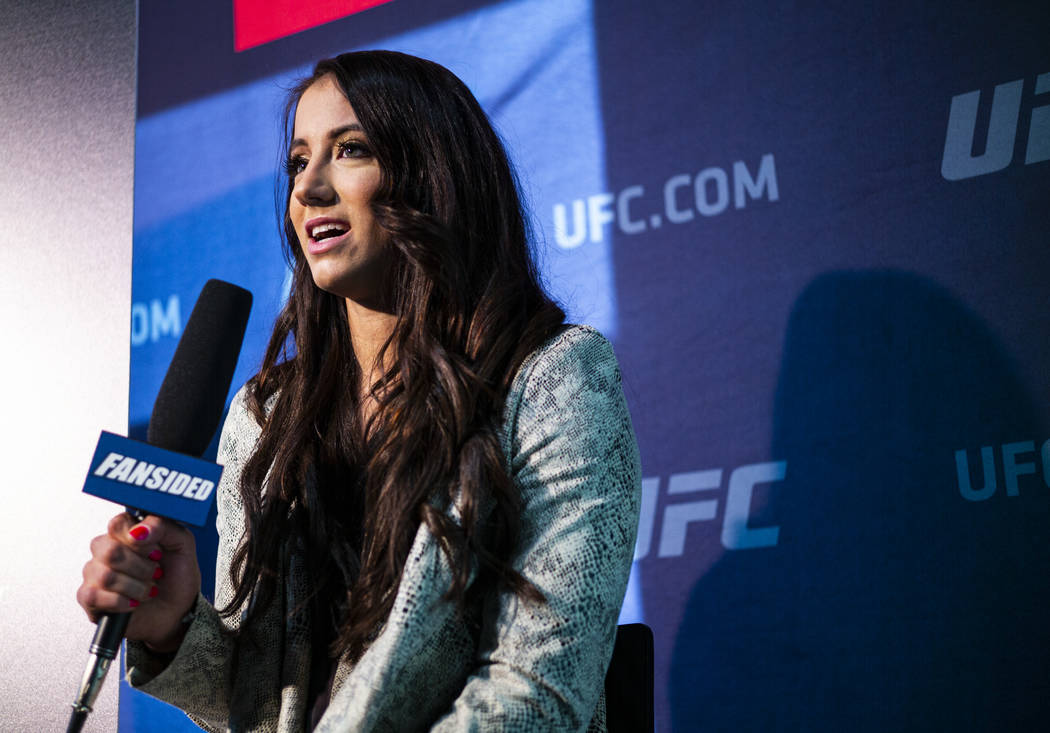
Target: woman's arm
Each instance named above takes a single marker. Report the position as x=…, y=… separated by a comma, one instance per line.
x=196, y=679
x=574, y=456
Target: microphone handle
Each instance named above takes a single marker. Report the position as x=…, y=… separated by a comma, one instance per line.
x=104, y=647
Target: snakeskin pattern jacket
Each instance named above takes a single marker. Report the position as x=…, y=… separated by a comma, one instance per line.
x=505, y=665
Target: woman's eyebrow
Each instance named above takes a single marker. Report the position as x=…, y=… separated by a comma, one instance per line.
x=332, y=134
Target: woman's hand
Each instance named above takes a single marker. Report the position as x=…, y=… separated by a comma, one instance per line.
x=147, y=567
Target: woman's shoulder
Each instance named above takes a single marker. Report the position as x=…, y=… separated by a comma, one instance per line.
x=239, y=410
x=241, y=430
x=240, y=405
x=574, y=370
x=573, y=352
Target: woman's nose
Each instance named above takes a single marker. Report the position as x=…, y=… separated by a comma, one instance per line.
x=312, y=186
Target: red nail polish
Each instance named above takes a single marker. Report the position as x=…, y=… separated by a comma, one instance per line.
x=133, y=603
x=155, y=555
x=139, y=533
x=158, y=573
x=154, y=591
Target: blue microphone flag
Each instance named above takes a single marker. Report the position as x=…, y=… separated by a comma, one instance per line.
x=152, y=479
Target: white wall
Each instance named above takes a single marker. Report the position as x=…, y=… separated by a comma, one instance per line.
x=67, y=81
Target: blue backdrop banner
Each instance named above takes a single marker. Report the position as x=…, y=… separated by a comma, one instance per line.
x=818, y=239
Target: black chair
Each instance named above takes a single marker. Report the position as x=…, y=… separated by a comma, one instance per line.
x=629, y=681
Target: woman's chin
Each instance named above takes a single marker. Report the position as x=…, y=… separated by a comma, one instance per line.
x=347, y=288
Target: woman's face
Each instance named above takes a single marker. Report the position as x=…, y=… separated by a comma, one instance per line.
x=335, y=177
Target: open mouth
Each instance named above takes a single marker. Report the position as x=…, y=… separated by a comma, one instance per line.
x=327, y=231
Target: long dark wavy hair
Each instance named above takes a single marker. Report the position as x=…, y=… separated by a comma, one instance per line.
x=469, y=308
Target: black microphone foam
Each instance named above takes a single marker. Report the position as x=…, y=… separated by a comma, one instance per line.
x=189, y=405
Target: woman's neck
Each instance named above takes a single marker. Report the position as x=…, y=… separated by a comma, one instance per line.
x=369, y=330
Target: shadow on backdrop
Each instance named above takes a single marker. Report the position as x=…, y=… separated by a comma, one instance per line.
x=891, y=603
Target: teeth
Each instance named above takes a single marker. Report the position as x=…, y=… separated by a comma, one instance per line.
x=322, y=228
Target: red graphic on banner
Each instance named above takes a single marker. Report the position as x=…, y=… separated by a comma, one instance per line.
x=256, y=22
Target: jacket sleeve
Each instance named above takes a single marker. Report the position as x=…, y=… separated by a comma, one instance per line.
x=573, y=454
x=197, y=678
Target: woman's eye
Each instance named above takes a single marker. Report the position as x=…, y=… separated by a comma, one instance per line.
x=352, y=149
x=295, y=165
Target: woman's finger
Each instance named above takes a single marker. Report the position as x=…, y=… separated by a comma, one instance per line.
x=151, y=537
x=159, y=532
x=109, y=580
x=97, y=601
x=114, y=554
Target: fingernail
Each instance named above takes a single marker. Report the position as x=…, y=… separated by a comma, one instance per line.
x=158, y=573
x=133, y=603
x=153, y=591
x=155, y=555
x=139, y=533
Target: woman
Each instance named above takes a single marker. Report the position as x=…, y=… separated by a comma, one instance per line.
x=430, y=496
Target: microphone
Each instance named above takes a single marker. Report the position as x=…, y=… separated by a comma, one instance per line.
x=158, y=477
